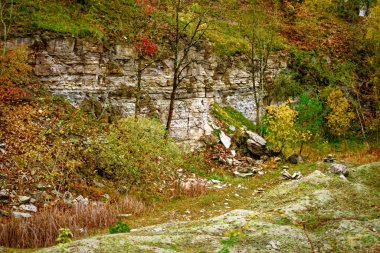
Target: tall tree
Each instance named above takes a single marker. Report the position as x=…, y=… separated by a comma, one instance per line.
x=185, y=36
x=261, y=40
x=6, y=19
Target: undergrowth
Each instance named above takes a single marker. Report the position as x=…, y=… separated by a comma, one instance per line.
x=44, y=227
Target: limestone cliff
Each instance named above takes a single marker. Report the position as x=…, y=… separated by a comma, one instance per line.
x=80, y=69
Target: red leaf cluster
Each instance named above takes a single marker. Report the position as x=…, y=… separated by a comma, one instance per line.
x=145, y=46
x=146, y=6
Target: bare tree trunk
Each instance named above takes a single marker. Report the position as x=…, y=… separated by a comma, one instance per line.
x=253, y=77
x=138, y=91
x=171, y=108
x=175, y=70
x=6, y=27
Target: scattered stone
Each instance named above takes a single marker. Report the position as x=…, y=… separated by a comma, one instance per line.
x=229, y=161
x=285, y=167
x=273, y=245
x=259, y=162
x=343, y=177
x=226, y=141
x=19, y=215
x=41, y=187
x=106, y=196
x=243, y=169
x=98, y=184
x=28, y=208
x=214, y=181
x=329, y=158
x=3, y=213
x=256, y=144
x=277, y=159
x=293, y=159
x=24, y=199
x=233, y=153
x=124, y=215
x=80, y=200
x=260, y=190
x=4, y=194
x=222, y=160
x=187, y=212
x=232, y=128
x=264, y=157
x=339, y=169
x=2, y=148
x=248, y=174
x=286, y=175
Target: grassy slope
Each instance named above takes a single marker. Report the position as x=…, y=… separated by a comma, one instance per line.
x=310, y=27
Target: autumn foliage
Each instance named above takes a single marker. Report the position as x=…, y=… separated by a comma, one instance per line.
x=145, y=46
x=146, y=6
x=340, y=117
x=15, y=75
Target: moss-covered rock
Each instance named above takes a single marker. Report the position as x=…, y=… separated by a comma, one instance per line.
x=319, y=212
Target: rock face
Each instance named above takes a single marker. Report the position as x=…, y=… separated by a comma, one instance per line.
x=79, y=69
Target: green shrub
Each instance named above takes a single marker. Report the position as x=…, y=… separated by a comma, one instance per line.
x=64, y=236
x=310, y=114
x=119, y=227
x=135, y=153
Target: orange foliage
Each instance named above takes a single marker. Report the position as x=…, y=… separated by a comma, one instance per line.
x=15, y=75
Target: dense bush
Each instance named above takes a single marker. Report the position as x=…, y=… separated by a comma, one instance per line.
x=282, y=133
x=135, y=153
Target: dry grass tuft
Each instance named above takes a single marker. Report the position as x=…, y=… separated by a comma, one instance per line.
x=191, y=188
x=43, y=228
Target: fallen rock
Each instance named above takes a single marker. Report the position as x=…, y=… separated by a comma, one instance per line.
x=28, y=208
x=80, y=200
x=41, y=187
x=256, y=144
x=337, y=168
x=215, y=181
x=4, y=194
x=293, y=159
x=248, y=174
x=2, y=148
x=19, y=215
x=273, y=245
x=98, y=184
x=260, y=190
x=329, y=158
x=24, y=199
x=3, y=213
x=226, y=141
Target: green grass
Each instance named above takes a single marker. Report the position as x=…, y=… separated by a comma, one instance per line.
x=230, y=116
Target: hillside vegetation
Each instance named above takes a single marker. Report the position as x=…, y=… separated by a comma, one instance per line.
x=84, y=168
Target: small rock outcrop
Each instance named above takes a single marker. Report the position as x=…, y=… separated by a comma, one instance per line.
x=339, y=169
